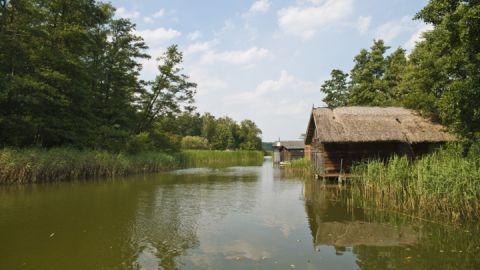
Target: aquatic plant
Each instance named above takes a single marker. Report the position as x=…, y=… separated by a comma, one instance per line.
x=300, y=167
x=444, y=184
x=199, y=158
x=63, y=164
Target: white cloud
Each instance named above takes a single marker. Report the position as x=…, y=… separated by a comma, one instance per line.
x=270, y=94
x=274, y=102
x=207, y=82
x=124, y=13
x=259, y=6
x=194, y=35
x=159, y=13
x=227, y=26
x=159, y=35
x=417, y=36
x=236, y=57
x=392, y=29
x=363, y=24
x=264, y=90
x=269, y=86
x=150, y=66
x=306, y=21
x=148, y=20
x=199, y=47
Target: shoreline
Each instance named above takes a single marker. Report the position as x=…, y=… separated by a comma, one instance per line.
x=26, y=166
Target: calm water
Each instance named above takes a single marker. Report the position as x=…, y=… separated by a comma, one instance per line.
x=233, y=218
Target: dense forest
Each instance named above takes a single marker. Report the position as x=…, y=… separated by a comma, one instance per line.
x=440, y=77
x=70, y=76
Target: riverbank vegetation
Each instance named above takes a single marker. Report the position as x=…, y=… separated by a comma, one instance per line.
x=439, y=78
x=445, y=184
x=300, y=167
x=200, y=158
x=70, y=76
x=65, y=164
x=74, y=106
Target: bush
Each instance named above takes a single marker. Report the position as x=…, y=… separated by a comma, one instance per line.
x=194, y=143
x=139, y=143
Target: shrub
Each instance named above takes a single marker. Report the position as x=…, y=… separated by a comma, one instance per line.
x=194, y=143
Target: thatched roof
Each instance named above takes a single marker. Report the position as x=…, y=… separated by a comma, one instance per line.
x=370, y=124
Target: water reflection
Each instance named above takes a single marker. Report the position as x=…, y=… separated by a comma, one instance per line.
x=386, y=240
x=334, y=223
x=229, y=218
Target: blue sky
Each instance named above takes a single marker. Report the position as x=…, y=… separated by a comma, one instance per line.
x=265, y=60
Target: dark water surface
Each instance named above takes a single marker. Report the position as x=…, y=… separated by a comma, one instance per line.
x=233, y=218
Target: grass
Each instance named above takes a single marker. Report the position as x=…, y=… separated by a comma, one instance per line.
x=65, y=164
x=202, y=158
x=443, y=184
x=300, y=167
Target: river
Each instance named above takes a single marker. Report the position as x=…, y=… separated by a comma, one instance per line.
x=217, y=218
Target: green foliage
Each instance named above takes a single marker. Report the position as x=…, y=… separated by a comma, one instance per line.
x=37, y=165
x=452, y=49
x=301, y=166
x=440, y=78
x=336, y=89
x=66, y=164
x=367, y=84
x=445, y=183
x=69, y=76
x=221, y=133
x=170, y=93
x=248, y=134
x=217, y=158
x=139, y=143
x=194, y=142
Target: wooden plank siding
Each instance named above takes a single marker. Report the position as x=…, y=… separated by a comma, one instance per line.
x=339, y=157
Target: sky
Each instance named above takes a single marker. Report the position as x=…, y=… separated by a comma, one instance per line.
x=265, y=60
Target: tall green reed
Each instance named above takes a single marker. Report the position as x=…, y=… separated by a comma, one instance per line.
x=444, y=184
x=63, y=164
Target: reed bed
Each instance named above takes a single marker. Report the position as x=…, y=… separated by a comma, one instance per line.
x=66, y=164
x=302, y=167
x=444, y=184
x=218, y=158
x=61, y=164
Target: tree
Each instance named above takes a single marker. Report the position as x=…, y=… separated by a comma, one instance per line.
x=394, y=70
x=170, y=93
x=451, y=50
x=208, y=126
x=194, y=142
x=115, y=81
x=225, y=134
x=249, y=136
x=336, y=89
x=367, y=85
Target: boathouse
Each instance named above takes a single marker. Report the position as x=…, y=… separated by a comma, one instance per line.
x=286, y=151
x=336, y=138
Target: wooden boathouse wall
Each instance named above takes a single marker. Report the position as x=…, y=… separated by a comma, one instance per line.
x=338, y=138
x=339, y=157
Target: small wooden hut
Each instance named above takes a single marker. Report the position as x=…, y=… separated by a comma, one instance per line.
x=336, y=138
x=286, y=151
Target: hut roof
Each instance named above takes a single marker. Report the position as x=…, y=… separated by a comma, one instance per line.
x=291, y=144
x=369, y=124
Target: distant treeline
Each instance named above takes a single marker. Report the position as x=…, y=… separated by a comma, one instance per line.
x=440, y=77
x=195, y=131
x=69, y=76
